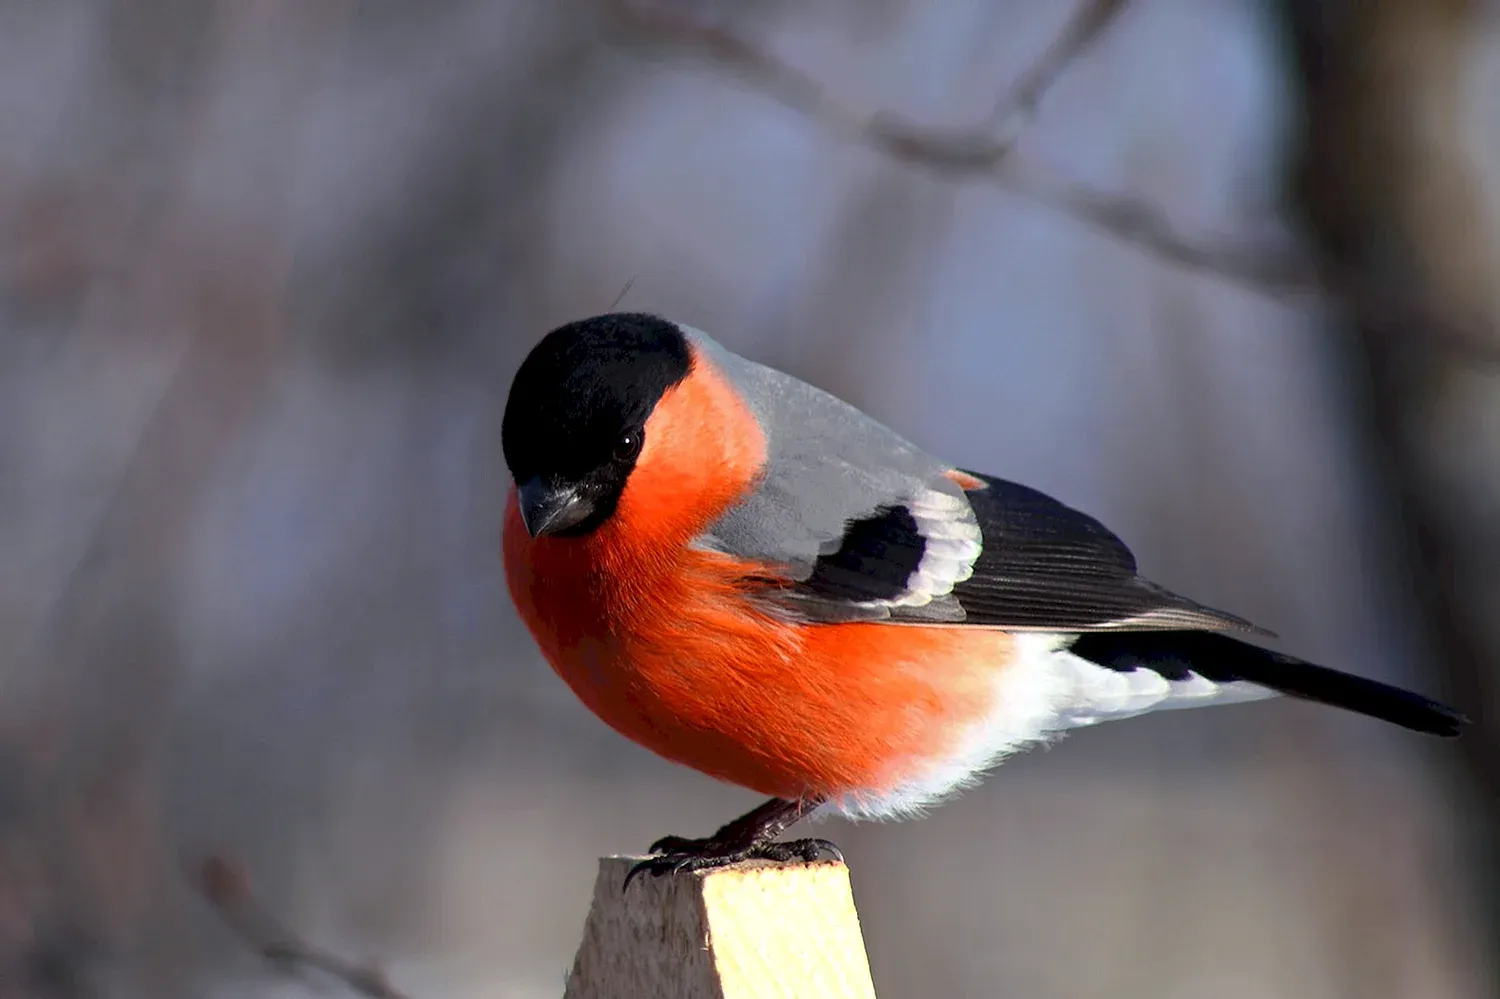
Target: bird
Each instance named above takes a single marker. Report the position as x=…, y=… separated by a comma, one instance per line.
x=752, y=578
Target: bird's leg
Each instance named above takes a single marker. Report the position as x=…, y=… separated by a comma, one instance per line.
x=757, y=827
x=752, y=836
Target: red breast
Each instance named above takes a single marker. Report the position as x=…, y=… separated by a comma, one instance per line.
x=663, y=641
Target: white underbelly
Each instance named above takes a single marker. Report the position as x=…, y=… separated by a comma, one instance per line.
x=1042, y=693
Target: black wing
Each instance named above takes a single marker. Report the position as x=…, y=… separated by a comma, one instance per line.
x=1044, y=566
x=1047, y=566
x=1040, y=565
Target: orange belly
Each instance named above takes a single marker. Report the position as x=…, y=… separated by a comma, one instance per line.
x=665, y=647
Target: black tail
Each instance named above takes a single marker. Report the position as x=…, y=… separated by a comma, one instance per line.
x=1221, y=659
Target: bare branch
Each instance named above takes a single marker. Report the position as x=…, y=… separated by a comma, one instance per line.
x=798, y=90
x=974, y=154
x=981, y=156
x=1277, y=268
x=226, y=887
x=1084, y=29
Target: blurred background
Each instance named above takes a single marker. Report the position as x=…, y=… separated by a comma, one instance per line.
x=1223, y=273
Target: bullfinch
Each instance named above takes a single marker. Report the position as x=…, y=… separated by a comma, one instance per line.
x=750, y=577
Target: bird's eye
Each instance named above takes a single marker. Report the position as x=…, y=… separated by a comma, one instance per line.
x=628, y=445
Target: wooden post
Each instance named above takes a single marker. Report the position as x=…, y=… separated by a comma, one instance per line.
x=748, y=932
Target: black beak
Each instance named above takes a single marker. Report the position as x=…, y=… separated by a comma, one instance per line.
x=549, y=509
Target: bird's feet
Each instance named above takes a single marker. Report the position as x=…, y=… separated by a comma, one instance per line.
x=752, y=836
x=678, y=855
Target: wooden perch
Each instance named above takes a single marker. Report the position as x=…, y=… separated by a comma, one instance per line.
x=747, y=932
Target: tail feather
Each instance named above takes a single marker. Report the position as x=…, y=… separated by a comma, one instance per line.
x=1178, y=654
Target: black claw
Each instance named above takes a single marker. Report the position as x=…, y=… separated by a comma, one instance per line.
x=676, y=855
x=640, y=868
x=809, y=851
x=780, y=853
x=752, y=836
x=678, y=863
x=815, y=849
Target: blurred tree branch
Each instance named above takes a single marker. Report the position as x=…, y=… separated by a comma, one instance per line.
x=226, y=887
x=1083, y=29
x=87, y=699
x=980, y=153
x=986, y=154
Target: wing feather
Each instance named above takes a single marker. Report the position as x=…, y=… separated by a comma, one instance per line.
x=853, y=522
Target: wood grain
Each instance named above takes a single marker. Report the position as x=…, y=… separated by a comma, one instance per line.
x=748, y=932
